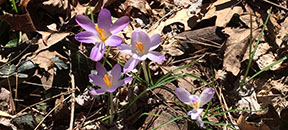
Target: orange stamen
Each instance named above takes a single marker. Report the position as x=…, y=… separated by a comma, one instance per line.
x=195, y=104
x=139, y=46
x=107, y=81
x=101, y=33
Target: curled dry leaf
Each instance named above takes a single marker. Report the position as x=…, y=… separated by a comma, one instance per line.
x=244, y=125
x=237, y=45
x=142, y=5
x=224, y=11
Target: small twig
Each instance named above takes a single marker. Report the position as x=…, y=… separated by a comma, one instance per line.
x=73, y=98
x=11, y=102
x=15, y=56
x=33, y=116
x=166, y=15
x=42, y=102
x=279, y=6
x=225, y=105
x=51, y=112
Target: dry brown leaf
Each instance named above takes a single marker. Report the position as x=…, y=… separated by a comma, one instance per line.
x=142, y=5
x=266, y=60
x=244, y=125
x=47, y=78
x=181, y=16
x=264, y=57
x=282, y=33
x=246, y=18
x=224, y=10
x=19, y=22
x=237, y=45
x=101, y=4
x=52, y=38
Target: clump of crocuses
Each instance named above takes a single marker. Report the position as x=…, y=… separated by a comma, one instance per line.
x=195, y=101
x=141, y=48
x=102, y=34
x=108, y=82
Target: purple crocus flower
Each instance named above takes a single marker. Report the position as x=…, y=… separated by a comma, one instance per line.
x=141, y=48
x=195, y=101
x=108, y=82
x=102, y=34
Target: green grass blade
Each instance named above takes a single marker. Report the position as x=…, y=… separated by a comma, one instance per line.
x=149, y=114
x=180, y=68
x=267, y=67
x=251, y=55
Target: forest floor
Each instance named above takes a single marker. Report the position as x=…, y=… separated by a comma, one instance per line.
x=237, y=47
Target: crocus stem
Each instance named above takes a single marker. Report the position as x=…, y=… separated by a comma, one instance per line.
x=145, y=71
x=111, y=107
x=106, y=55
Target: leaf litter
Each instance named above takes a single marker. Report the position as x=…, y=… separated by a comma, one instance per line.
x=39, y=53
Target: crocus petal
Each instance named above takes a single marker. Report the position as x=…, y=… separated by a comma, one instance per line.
x=85, y=23
x=119, y=25
x=101, y=70
x=140, y=36
x=195, y=114
x=97, y=91
x=200, y=122
x=206, y=96
x=130, y=65
x=116, y=72
x=128, y=79
x=184, y=96
x=114, y=40
x=86, y=37
x=155, y=42
x=97, y=52
x=104, y=19
x=124, y=48
x=156, y=56
x=98, y=81
x=139, y=57
x=112, y=89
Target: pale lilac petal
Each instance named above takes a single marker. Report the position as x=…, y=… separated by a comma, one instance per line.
x=124, y=48
x=140, y=36
x=104, y=19
x=206, y=96
x=112, y=89
x=86, y=37
x=139, y=57
x=200, y=122
x=101, y=70
x=156, y=56
x=195, y=114
x=85, y=23
x=194, y=98
x=120, y=25
x=116, y=72
x=184, y=96
x=97, y=91
x=114, y=40
x=97, y=52
x=130, y=65
x=155, y=42
x=98, y=81
x=128, y=79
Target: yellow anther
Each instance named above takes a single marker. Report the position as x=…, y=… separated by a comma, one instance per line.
x=107, y=81
x=195, y=104
x=139, y=46
x=101, y=33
